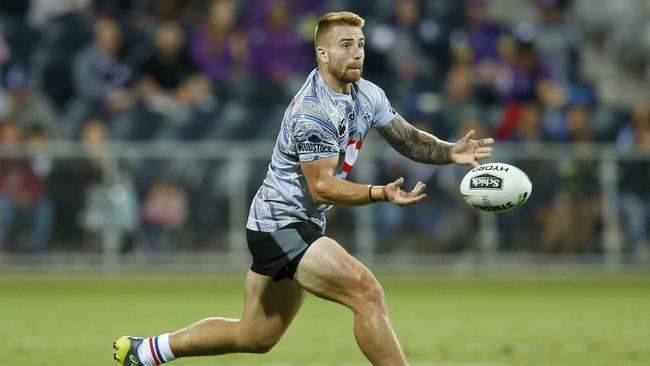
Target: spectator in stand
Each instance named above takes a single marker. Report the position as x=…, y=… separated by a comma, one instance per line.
x=217, y=47
x=280, y=56
x=479, y=42
x=63, y=29
x=277, y=51
x=404, y=42
x=484, y=34
x=109, y=203
x=521, y=69
x=168, y=78
x=27, y=105
x=570, y=222
x=553, y=99
x=521, y=122
x=101, y=78
x=557, y=39
x=579, y=123
x=168, y=64
x=637, y=131
x=80, y=189
x=635, y=180
x=68, y=183
x=165, y=209
x=458, y=105
x=22, y=194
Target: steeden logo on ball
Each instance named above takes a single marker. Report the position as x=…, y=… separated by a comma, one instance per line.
x=486, y=181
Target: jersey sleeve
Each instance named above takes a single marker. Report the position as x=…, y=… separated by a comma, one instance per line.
x=315, y=138
x=383, y=110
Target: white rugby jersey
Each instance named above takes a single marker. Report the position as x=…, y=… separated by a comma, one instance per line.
x=319, y=123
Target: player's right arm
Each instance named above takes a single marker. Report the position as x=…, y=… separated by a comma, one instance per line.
x=326, y=188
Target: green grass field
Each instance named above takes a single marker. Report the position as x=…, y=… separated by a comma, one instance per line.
x=514, y=319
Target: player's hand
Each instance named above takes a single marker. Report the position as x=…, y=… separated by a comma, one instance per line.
x=402, y=198
x=468, y=151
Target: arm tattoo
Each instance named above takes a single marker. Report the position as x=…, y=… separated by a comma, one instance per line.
x=415, y=144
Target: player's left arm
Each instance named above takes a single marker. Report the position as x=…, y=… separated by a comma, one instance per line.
x=425, y=148
x=325, y=188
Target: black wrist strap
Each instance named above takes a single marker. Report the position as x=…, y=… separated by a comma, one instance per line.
x=370, y=193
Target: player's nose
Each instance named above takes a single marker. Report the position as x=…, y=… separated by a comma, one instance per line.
x=358, y=54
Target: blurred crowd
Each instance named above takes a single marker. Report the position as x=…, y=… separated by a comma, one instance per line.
x=211, y=70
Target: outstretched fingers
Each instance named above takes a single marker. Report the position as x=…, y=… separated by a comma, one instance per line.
x=418, y=198
x=418, y=189
x=483, y=152
x=401, y=198
x=486, y=141
x=415, y=195
x=468, y=150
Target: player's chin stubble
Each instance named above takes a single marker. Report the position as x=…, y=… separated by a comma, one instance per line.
x=347, y=75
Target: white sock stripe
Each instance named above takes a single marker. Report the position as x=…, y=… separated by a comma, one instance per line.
x=165, y=348
x=155, y=348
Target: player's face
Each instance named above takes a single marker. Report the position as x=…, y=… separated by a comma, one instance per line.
x=346, y=53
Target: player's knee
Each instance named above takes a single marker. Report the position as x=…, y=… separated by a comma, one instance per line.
x=375, y=294
x=372, y=294
x=261, y=346
x=258, y=344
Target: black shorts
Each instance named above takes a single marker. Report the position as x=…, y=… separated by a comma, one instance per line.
x=277, y=254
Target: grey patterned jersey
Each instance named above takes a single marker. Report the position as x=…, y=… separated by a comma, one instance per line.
x=319, y=123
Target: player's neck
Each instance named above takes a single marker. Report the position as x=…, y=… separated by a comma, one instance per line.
x=334, y=84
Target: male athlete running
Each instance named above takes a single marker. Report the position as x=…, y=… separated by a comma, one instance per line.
x=321, y=134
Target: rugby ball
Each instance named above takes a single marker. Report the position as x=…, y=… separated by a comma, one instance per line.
x=496, y=187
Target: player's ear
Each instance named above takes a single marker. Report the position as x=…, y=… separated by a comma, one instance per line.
x=322, y=55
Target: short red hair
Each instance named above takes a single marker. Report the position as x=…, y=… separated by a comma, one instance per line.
x=327, y=21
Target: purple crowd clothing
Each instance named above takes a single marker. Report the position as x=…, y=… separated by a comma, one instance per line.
x=98, y=74
x=277, y=53
x=259, y=10
x=215, y=60
x=515, y=82
x=484, y=41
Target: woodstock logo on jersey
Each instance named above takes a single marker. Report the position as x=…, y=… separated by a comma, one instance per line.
x=351, y=154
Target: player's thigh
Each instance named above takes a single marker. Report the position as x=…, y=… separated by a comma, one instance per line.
x=269, y=306
x=329, y=271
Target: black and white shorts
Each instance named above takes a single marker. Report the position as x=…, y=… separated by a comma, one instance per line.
x=277, y=254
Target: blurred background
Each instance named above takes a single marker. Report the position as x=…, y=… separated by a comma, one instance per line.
x=135, y=132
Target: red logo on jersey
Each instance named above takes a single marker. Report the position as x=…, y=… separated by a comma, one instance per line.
x=351, y=154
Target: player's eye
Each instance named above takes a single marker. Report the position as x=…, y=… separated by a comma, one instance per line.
x=346, y=45
x=361, y=45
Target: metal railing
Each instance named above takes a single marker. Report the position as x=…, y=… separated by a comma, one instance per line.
x=239, y=158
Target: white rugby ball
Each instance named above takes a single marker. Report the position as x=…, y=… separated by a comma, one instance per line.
x=496, y=187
